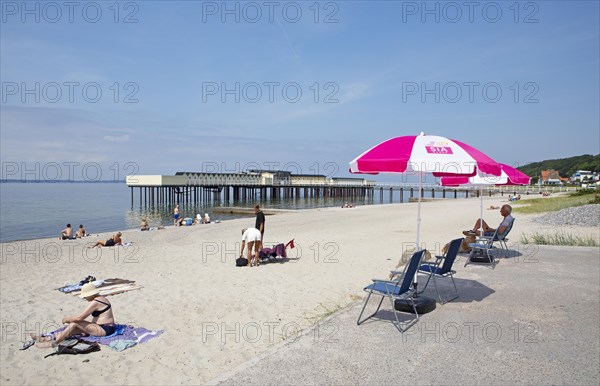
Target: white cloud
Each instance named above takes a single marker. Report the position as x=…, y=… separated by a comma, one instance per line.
x=117, y=138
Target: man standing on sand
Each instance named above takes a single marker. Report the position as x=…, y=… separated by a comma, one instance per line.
x=176, y=215
x=260, y=221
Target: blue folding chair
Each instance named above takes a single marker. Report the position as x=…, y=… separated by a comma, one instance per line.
x=484, y=246
x=400, y=289
x=444, y=271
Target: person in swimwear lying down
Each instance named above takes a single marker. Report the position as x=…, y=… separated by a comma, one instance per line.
x=101, y=324
x=116, y=240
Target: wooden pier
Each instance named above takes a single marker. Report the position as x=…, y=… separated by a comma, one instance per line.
x=214, y=189
x=203, y=188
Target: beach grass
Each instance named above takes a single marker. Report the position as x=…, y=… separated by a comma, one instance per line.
x=559, y=238
x=331, y=308
x=553, y=204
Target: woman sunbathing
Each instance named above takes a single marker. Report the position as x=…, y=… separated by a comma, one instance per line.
x=116, y=240
x=101, y=324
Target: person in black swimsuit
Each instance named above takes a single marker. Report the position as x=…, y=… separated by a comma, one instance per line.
x=115, y=240
x=102, y=323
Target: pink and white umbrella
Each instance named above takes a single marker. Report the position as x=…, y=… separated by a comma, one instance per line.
x=509, y=176
x=424, y=154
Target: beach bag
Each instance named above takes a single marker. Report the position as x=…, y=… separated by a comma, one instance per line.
x=241, y=262
x=74, y=347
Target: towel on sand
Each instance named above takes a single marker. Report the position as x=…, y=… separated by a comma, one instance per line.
x=125, y=336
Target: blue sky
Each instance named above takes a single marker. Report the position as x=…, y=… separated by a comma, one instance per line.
x=317, y=82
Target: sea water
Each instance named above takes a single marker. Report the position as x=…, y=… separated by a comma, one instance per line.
x=37, y=210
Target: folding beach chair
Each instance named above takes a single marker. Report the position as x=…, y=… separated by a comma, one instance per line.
x=484, y=246
x=400, y=289
x=437, y=269
x=501, y=239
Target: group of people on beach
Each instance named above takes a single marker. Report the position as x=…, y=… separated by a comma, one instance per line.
x=187, y=221
x=102, y=321
x=99, y=308
x=67, y=233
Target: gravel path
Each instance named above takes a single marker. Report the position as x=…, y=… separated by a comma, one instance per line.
x=586, y=215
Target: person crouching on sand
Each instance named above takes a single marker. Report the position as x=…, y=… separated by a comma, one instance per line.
x=101, y=324
x=252, y=237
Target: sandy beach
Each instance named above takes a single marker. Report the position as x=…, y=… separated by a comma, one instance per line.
x=216, y=316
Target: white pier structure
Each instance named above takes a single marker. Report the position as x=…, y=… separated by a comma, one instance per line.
x=197, y=187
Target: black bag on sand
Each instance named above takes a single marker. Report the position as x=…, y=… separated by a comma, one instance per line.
x=75, y=346
x=241, y=262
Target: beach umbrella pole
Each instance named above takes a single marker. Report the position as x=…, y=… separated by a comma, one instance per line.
x=480, y=212
x=418, y=220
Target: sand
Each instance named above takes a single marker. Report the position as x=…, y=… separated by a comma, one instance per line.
x=215, y=316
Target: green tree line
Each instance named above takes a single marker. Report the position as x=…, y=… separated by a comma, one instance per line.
x=565, y=166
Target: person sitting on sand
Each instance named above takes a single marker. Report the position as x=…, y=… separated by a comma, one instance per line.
x=115, y=240
x=487, y=231
x=66, y=233
x=101, y=324
x=144, y=224
x=188, y=221
x=206, y=219
x=253, y=238
x=81, y=232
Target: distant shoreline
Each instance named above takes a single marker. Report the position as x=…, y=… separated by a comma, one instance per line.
x=60, y=182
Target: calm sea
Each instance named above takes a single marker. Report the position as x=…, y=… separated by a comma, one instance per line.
x=37, y=210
